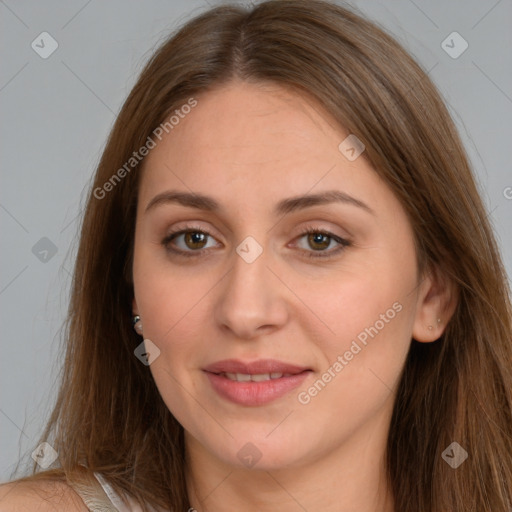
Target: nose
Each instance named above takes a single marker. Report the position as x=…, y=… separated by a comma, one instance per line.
x=252, y=302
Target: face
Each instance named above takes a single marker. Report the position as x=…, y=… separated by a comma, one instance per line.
x=276, y=276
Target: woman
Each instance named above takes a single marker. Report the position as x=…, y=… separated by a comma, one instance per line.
x=287, y=294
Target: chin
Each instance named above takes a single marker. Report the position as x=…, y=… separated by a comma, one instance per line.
x=259, y=452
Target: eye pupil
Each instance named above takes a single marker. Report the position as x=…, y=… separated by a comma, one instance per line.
x=318, y=240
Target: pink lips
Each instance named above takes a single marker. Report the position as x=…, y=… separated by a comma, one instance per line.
x=252, y=393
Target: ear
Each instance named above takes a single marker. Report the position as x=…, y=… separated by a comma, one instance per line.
x=436, y=303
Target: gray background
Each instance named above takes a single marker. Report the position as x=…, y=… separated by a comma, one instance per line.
x=57, y=113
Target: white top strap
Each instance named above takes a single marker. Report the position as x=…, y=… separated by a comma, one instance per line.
x=99, y=495
x=115, y=499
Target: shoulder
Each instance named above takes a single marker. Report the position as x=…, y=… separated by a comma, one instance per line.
x=39, y=496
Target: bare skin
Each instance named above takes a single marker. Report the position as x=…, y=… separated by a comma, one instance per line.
x=42, y=496
x=249, y=147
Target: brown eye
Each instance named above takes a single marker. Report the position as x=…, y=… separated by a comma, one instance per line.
x=188, y=242
x=321, y=244
x=195, y=239
x=319, y=241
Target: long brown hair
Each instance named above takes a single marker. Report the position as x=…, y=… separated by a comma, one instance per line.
x=109, y=414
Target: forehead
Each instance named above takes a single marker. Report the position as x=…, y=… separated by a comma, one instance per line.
x=243, y=124
x=255, y=143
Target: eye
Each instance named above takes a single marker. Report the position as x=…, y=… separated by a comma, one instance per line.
x=313, y=242
x=320, y=241
x=188, y=241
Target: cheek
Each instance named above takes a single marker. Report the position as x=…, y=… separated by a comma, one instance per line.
x=367, y=319
x=167, y=296
x=169, y=304
x=357, y=383
x=173, y=313
x=173, y=318
x=172, y=302
x=348, y=306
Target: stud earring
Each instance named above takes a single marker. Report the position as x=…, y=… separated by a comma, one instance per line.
x=430, y=327
x=137, y=324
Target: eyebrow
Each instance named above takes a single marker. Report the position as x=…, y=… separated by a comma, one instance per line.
x=289, y=205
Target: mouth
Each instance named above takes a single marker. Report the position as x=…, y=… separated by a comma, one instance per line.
x=255, y=383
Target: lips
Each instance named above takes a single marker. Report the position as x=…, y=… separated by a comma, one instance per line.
x=255, y=383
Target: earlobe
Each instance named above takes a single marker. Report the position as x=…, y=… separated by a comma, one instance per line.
x=436, y=304
x=137, y=324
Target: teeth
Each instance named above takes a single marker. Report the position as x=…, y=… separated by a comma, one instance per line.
x=245, y=377
x=260, y=377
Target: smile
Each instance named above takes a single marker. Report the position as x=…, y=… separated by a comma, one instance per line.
x=255, y=383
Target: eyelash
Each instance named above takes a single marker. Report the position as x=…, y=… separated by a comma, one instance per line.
x=343, y=243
